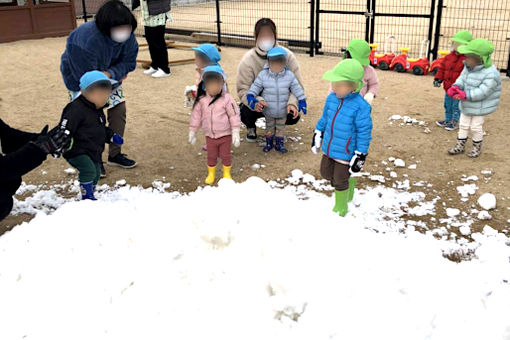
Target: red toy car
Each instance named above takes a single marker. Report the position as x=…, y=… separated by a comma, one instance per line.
x=419, y=66
x=383, y=60
x=434, y=67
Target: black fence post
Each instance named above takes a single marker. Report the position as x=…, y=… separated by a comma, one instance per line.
x=431, y=26
x=508, y=64
x=369, y=17
x=437, y=33
x=317, y=26
x=218, y=21
x=372, y=25
x=312, y=28
x=84, y=10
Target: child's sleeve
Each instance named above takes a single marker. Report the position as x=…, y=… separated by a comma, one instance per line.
x=109, y=135
x=296, y=89
x=71, y=120
x=245, y=76
x=233, y=113
x=461, y=79
x=373, y=82
x=483, y=91
x=196, y=118
x=294, y=67
x=363, y=125
x=440, y=72
x=257, y=86
x=321, y=124
x=126, y=61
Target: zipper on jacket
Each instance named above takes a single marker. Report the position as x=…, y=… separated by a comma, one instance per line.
x=333, y=124
x=277, y=96
x=212, y=127
x=347, y=145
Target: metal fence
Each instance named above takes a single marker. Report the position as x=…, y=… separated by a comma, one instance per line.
x=326, y=26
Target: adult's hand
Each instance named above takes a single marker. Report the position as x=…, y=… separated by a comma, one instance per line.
x=293, y=110
x=106, y=73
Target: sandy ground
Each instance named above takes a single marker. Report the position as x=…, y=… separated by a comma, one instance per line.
x=33, y=95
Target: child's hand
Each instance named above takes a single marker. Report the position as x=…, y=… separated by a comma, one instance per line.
x=260, y=106
x=236, y=138
x=357, y=162
x=302, y=106
x=192, y=138
x=437, y=82
x=317, y=141
x=117, y=139
x=292, y=109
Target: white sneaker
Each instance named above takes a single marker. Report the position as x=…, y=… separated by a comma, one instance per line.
x=149, y=71
x=160, y=74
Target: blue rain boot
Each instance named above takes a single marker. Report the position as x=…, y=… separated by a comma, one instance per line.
x=269, y=143
x=279, y=145
x=87, y=191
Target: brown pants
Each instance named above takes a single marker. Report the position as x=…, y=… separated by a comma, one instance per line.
x=275, y=126
x=117, y=122
x=335, y=172
x=219, y=148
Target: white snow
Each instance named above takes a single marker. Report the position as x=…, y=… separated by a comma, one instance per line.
x=70, y=171
x=255, y=166
x=486, y=172
x=470, y=178
x=146, y=264
x=484, y=215
x=399, y=163
x=452, y=212
x=377, y=178
x=467, y=189
x=393, y=174
x=487, y=201
x=465, y=230
x=412, y=166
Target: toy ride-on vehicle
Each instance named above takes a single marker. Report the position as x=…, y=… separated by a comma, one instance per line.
x=383, y=60
x=436, y=64
x=419, y=66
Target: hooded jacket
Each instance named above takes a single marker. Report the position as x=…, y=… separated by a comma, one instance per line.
x=275, y=89
x=217, y=119
x=450, y=69
x=483, y=90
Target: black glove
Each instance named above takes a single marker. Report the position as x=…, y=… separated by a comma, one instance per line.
x=53, y=142
x=437, y=82
x=357, y=162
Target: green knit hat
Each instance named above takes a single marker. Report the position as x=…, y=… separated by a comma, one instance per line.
x=359, y=50
x=462, y=37
x=346, y=70
x=480, y=47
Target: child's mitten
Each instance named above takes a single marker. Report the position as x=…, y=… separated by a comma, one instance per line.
x=252, y=101
x=452, y=91
x=317, y=141
x=357, y=162
x=236, y=138
x=192, y=137
x=369, y=97
x=460, y=95
x=117, y=139
x=302, y=106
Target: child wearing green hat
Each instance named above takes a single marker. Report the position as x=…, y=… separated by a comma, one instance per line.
x=479, y=90
x=448, y=72
x=344, y=131
x=359, y=50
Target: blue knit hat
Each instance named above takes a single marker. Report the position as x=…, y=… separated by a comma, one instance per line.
x=210, y=51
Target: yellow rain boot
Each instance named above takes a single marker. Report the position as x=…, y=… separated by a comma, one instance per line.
x=226, y=172
x=211, y=175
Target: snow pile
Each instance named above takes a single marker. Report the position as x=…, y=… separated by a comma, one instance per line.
x=146, y=264
x=487, y=201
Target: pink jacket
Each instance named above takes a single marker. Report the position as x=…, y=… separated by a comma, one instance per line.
x=218, y=119
x=370, y=82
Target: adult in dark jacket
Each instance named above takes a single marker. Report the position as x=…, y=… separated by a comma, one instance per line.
x=106, y=44
x=20, y=153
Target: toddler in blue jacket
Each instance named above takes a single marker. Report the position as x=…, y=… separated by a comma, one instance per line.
x=344, y=131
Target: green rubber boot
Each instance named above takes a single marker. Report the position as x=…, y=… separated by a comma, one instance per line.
x=341, y=198
x=352, y=186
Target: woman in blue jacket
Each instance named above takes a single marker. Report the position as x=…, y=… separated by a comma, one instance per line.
x=344, y=131
x=109, y=45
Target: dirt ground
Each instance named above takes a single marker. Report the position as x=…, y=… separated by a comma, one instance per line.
x=33, y=95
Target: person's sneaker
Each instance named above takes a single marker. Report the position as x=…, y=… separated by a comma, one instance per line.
x=441, y=123
x=160, y=74
x=251, y=136
x=121, y=161
x=103, y=171
x=151, y=70
x=451, y=126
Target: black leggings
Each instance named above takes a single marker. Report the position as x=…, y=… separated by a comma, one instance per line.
x=5, y=205
x=249, y=117
x=157, y=47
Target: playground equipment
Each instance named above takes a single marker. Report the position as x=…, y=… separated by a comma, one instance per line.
x=419, y=66
x=383, y=60
x=436, y=64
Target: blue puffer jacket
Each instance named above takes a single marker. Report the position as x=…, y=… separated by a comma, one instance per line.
x=347, y=126
x=88, y=49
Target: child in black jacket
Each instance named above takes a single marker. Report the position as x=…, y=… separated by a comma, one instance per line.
x=85, y=120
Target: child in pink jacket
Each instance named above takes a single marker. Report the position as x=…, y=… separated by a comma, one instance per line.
x=218, y=114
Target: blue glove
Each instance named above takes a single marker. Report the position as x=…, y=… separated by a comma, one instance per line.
x=117, y=139
x=252, y=101
x=302, y=106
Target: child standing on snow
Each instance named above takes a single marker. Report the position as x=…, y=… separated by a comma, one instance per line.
x=275, y=83
x=218, y=114
x=344, y=131
x=85, y=120
x=448, y=72
x=205, y=55
x=359, y=50
x=479, y=89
